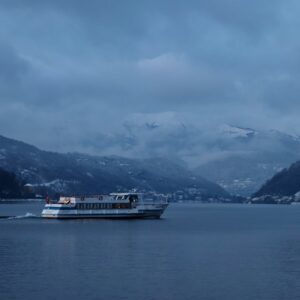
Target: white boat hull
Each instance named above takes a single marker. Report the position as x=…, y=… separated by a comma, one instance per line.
x=109, y=214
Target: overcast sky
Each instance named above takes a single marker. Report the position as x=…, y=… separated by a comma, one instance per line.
x=71, y=69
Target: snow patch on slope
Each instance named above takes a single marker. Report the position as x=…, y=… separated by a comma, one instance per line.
x=237, y=132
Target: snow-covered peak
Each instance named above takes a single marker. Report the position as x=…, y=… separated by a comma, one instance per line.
x=237, y=132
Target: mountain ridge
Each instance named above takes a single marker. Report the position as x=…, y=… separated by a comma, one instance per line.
x=47, y=171
x=238, y=158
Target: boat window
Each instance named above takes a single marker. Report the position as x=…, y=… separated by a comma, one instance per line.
x=133, y=198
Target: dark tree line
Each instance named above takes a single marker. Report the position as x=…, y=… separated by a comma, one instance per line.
x=284, y=183
x=11, y=187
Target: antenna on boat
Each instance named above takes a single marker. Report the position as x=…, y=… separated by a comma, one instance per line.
x=47, y=199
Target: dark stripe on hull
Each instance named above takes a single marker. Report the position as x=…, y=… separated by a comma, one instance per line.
x=106, y=216
x=102, y=217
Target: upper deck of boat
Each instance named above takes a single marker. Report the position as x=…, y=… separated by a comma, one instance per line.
x=111, y=198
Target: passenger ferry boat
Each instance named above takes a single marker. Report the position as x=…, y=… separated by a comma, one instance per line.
x=115, y=205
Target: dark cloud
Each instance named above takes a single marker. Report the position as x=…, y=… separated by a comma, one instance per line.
x=72, y=69
x=13, y=69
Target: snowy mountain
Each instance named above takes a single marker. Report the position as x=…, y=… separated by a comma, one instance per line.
x=237, y=158
x=250, y=158
x=238, y=132
x=79, y=173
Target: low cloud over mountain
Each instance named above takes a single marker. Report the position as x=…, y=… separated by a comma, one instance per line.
x=240, y=159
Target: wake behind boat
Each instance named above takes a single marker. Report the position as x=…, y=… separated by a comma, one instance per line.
x=116, y=205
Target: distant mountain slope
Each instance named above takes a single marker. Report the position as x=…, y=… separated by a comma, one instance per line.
x=240, y=159
x=80, y=173
x=237, y=158
x=245, y=158
x=284, y=183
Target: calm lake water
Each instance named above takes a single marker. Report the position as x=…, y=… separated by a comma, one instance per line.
x=195, y=251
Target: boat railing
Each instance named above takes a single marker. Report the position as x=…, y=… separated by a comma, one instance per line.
x=138, y=200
